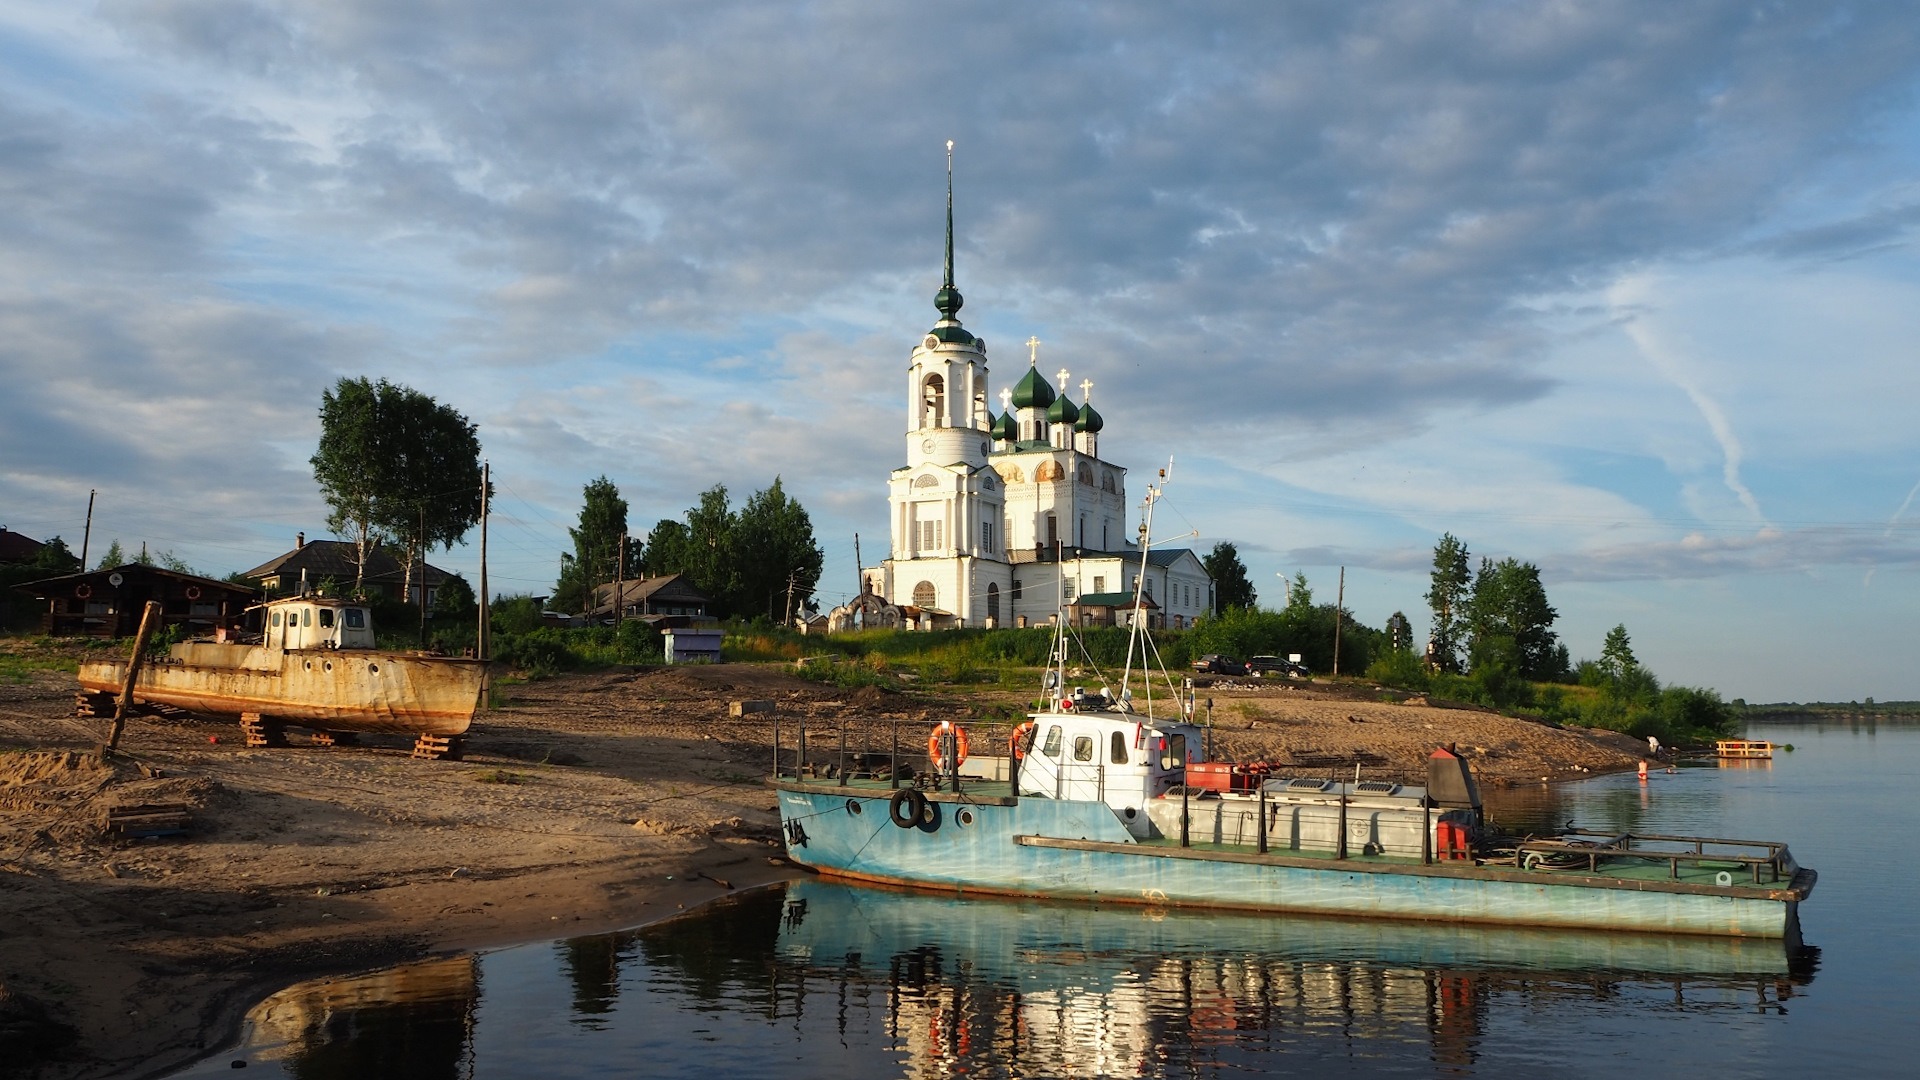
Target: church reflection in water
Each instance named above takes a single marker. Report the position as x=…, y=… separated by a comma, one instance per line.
x=929, y=985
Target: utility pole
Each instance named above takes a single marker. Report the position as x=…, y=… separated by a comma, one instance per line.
x=87, y=536
x=620, y=584
x=480, y=641
x=423, y=575
x=859, y=575
x=1339, y=608
x=789, y=618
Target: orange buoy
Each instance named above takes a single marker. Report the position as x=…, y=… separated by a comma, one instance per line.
x=1022, y=735
x=940, y=732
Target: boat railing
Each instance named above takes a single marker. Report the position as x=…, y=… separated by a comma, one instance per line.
x=1743, y=748
x=851, y=749
x=1588, y=848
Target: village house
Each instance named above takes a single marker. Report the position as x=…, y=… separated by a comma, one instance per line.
x=320, y=562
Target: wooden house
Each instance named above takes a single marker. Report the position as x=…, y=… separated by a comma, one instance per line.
x=107, y=603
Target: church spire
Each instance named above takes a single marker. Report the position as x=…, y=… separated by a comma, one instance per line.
x=948, y=300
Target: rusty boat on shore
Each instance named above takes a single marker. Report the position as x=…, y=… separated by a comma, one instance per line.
x=316, y=667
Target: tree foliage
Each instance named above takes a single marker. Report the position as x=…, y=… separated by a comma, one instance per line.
x=1232, y=588
x=596, y=547
x=741, y=561
x=394, y=463
x=1447, y=597
x=1510, y=622
x=773, y=538
x=112, y=557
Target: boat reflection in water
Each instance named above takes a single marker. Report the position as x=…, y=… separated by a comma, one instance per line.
x=1040, y=987
x=878, y=982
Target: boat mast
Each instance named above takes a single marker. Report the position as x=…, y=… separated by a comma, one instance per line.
x=1139, y=585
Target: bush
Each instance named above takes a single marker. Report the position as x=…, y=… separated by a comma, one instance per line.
x=1401, y=668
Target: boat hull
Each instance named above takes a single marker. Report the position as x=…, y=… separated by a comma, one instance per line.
x=337, y=690
x=1054, y=848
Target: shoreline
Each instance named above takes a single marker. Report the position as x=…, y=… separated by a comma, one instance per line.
x=587, y=803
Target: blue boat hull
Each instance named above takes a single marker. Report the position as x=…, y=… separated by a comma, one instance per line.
x=1050, y=848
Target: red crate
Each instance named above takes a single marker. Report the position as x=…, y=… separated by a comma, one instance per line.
x=1211, y=775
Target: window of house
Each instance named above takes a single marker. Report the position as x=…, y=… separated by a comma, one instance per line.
x=1066, y=587
x=1099, y=583
x=1052, y=746
x=1117, y=748
x=1083, y=748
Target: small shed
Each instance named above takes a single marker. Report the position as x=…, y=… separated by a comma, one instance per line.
x=685, y=645
x=107, y=603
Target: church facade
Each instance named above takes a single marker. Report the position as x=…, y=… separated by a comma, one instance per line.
x=1008, y=518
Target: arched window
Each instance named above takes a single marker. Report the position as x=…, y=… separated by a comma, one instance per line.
x=924, y=595
x=993, y=602
x=1084, y=474
x=927, y=481
x=933, y=397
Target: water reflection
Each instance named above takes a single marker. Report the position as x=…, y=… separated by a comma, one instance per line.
x=885, y=982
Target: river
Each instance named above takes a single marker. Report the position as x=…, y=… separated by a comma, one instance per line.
x=823, y=980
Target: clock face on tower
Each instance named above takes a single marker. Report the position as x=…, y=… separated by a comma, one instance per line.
x=926, y=446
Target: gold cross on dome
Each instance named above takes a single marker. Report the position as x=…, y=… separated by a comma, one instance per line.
x=1006, y=399
x=1063, y=380
x=1033, y=350
x=1086, y=389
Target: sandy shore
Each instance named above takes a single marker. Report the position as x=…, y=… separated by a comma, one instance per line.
x=586, y=803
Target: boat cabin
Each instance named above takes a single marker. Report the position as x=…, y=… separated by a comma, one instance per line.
x=1123, y=759
x=318, y=622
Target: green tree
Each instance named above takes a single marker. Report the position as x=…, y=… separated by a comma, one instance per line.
x=1231, y=586
x=666, y=549
x=1616, y=656
x=454, y=602
x=1299, y=593
x=711, y=560
x=1509, y=602
x=55, y=558
x=773, y=540
x=112, y=557
x=596, y=547
x=394, y=463
x=1447, y=596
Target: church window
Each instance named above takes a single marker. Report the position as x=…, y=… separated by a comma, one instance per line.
x=1103, y=534
x=1082, y=541
x=1053, y=530
x=1016, y=590
x=933, y=396
x=986, y=482
x=1106, y=482
x=929, y=535
x=1066, y=587
x=993, y=602
x=926, y=481
x=1085, y=474
x=986, y=534
x=924, y=595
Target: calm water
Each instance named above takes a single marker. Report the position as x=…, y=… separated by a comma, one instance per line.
x=819, y=980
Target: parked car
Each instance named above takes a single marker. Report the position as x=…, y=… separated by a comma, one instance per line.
x=1277, y=667
x=1217, y=664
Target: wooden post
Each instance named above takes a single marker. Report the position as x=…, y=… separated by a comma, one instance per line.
x=149, y=621
x=1339, y=605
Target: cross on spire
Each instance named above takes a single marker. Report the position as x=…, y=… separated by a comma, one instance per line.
x=1033, y=350
x=1006, y=399
x=1063, y=380
x=1086, y=390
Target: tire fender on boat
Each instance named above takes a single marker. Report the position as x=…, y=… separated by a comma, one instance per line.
x=907, y=807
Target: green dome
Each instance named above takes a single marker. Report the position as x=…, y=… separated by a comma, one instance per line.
x=1090, y=421
x=948, y=301
x=952, y=335
x=1032, y=391
x=1006, y=428
x=1062, y=412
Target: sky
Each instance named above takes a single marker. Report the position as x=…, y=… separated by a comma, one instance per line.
x=1629, y=291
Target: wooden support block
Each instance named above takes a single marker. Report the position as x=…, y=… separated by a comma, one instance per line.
x=335, y=738
x=261, y=732
x=744, y=708
x=439, y=747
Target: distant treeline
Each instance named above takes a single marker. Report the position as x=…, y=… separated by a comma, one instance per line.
x=1791, y=712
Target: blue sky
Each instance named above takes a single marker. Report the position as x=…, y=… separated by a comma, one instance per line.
x=1624, y=290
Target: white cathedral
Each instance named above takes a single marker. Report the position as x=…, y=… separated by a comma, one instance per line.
x=1011, y=519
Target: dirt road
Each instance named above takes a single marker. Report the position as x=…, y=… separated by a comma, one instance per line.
x=585, y=803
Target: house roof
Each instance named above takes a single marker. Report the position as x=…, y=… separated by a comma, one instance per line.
x=664, y=587
x=99, y=580
x=323, y=559
x=1110, y=599
x=16, y=548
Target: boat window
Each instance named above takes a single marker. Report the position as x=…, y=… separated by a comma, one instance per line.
x=326, y=618
x=1173, y=752
x=1083, y=748
x=306, y=616
x=276, y=618
x=1052, y=748
x=1118, y=750
x=356, y=618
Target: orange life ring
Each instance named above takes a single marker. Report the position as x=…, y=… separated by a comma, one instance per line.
x=1022, y=737
x=193, y=592
x=83, y=590
x=940, y=731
